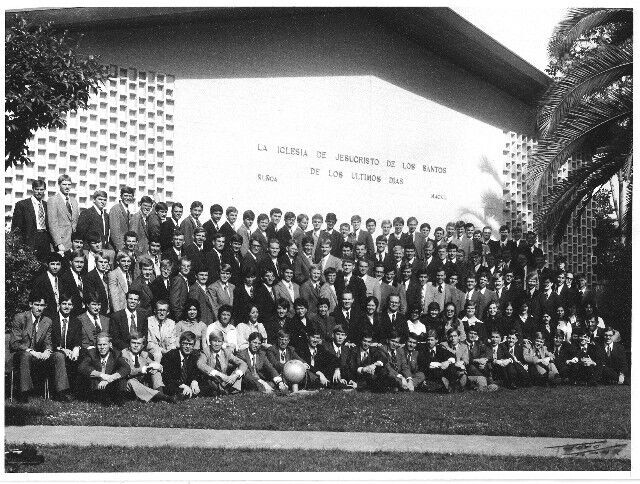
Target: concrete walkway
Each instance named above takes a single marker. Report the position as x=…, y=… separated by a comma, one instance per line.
x=345, y=441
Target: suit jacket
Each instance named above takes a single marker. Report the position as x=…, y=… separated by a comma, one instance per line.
x=364, y=237
x=283, y=292
x=90, y=224
x=118, y=288
x=566, y=351
x=542, y=304
x=153, y=226
x=88, y=330
x=419, y=242
x=355, y=361
x=42, y=285
x=69, y=283
x=178, y=296
x=334, y=361
x=210, y=231
x=227, y=230
x=172, y=376
x=385, y=325
x=206, y=304
x=188, y=226
x=415, y=361
x=301, y=268
x=285, y=260
x=119, y=220
x=461, y=353
x=260, y=237
x=146, y=295
x=273, y=355
x=262, y=369
x=242, y=301
x=24, y=220
x=198, y=257
x=396, y=363
x=228, y=362
x=434, y=295
x=386, y=290
x=62, y=223
x=327, y=292
x=331, y=261
x=266, y=303
x=394, y=240
x=228, y=257
x=298, y=235
x=140, y=226
x=617, y=360
x=119, y=327
x=218, y=296
x=91, y=361
x=244, y=232
x=320, y=359
x=94, y=283
x=167, y=228
x=352, y=325
x=284, y=235
x=171, y=255
x=356, y=287
x=159, y=290
x=249, y=261
x=73, y=333
x=324, y=324
x=266, y=263
x=22, y=333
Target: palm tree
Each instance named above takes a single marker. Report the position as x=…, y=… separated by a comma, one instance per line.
x=587, y=112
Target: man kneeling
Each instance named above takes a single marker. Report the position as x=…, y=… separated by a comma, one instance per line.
x=106, y=371
x=145, y=379
x=222, y=369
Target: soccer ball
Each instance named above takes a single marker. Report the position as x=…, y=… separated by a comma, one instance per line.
x=294, y=371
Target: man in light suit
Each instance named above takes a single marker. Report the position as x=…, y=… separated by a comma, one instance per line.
x=119, y=282
x=287, y=289
x=299, y=231
x=62, y=214
x=97, y=281
x=310, y=290
x=438, y=291
x=30, y=220
x=222, y=369
x=316, y=234
x=260, y=375
x=31, y=347
x=327, y=260
x=94, y=221
x=145, y=378
x=140, y=225
x=244, y=230
x=328, y=288
x=119, y=217
x=220, y=293
x=192, y=222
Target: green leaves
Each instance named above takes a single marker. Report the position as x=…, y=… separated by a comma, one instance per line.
x=45, y=77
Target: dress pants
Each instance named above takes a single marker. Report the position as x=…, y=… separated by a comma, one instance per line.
x=27, y=364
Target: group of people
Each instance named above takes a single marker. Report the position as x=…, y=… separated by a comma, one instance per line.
x=159, y=307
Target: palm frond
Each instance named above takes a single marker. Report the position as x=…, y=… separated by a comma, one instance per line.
x=625, y=218
x=592, y=74
x=576, y=191
x=580, y=21
x=591, y=118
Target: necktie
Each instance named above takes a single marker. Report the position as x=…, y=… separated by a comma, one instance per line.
x=68, y=204
x=346, y=315
x=339, y=352
x=133, y=324
x=433, y=353
x=254, y=372
x=137, y=362
x=129, y=279
x=198, y=224
x=183, y=370
x=217, y=366
x=35, y=332
x=409, y=357
x=80, y=288
x=282, y=357
x=251, y=291
x=64, y=332
x=226, y=290
x=440, y=289
x=166, y=284
x=103, y=365
x=313, y=357
x=393, y=318
x=608, y=351
x=273, y=293
x=98, y=326
x=41, y=219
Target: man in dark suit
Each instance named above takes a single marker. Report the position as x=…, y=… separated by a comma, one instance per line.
x=315, y=356
x=397, y=375
x=212, y=226
x=180, y=368
x=71, y=281
x=233, y=257
x=49, y=285
x=155, y=219
x=127, y=320
x=348, y=315
x=214, y=257
x=583, y=295
x=391, y=319
x=169, y=226
x=615, y=368
x=337, y=364
x=180, y=289
x=30, y=344
x=96, y=281
x=281, y=353
x=30, y=220
x=303, y=262
x=196, y=250
x=105, y=372
x=265, y=298
x=505, y=243
x=563, y=351
x=367, y=365
x=397, y=237
x=260, y=375
x=269, y=260
x=175, y=252
x=227, y=227
x=546, y=302
x=93, y=222
x=275, y=214
x=161, y=285
x=361, y=236
x=415, y=361
x=285, y=233
x=509, y=364
x=586, y=366
x=346, y=281
x=66, y=337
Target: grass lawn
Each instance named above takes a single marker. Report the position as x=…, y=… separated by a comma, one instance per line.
x=165, y=459
x=598, y=412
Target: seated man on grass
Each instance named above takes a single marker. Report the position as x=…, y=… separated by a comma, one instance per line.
x=455, y=366
x=585, y=367
x=510, y=365
x=145, y=378
x=367, y=365
x=415, y=360
x=316, y=357
x=222, y=369
x=542, y=368
x=281, y=353
x=105, y=372
x=563, y=351
x=337, y=365
x=180, y=371
x=397, y=373
x=479, y=368
x=260, y=376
